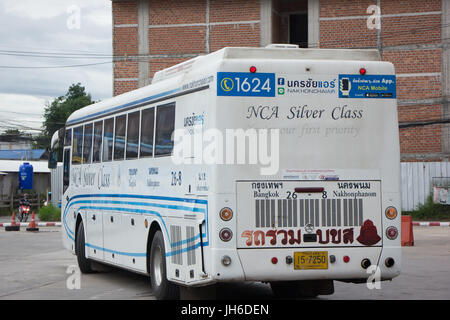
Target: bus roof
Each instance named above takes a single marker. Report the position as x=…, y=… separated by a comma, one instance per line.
x=162, y=79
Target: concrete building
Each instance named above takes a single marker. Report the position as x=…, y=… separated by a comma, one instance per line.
x=149, y=35
x=9, y=180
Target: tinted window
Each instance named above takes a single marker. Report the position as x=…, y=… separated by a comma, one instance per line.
x=147, y=127
x=68, y=138
x=165, y=123
x=66, y=169
x=98, y=126
x=119, y=138
x=132, y=135
x=108, y=139
x=87, y=144
x=77, y=145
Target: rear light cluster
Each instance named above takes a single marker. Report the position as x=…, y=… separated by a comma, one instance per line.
x=226, y=214
x=392, y=233
x=391, y=213
x=225, y=234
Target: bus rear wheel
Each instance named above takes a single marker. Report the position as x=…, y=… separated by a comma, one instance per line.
x=302, y=289
x=162, y=288
x=83, y=263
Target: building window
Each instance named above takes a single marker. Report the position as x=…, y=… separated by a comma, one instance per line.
x=165, y=124
x=298, y=29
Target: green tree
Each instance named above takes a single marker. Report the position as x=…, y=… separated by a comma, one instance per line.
x=57, y=112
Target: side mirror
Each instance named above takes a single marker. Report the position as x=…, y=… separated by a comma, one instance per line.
x=53, y=159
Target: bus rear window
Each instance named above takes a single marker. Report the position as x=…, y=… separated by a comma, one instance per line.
x=119, y=137
x=77, y=147
x=108, y=139
x=165, y=124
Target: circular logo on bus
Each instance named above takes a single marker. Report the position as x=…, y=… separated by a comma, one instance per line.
x=309, y=228
x=227, y=84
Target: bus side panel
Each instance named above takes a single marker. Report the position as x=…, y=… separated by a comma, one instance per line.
x=136, y=233
x=94, y=234
x=113, y=237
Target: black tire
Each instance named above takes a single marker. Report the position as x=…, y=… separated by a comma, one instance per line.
x=25, y=218
x=83, y=263
x=162, y=288
x=20, y=216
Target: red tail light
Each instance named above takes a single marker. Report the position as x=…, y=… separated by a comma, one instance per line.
x=225, y=234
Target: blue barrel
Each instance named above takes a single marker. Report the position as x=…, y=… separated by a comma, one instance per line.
x=26, y=176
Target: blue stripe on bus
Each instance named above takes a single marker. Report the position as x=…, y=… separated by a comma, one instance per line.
x=130, y=196
x=141, y=211
x=147, y=204
x=131, y=254
x=129, y=104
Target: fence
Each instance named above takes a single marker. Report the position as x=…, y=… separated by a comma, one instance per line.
x=416, y=181
x=12, y=202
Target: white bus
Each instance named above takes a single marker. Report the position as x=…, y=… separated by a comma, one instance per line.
x=292, y=179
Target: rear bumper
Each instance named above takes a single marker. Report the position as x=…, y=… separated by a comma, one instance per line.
x=256, y=265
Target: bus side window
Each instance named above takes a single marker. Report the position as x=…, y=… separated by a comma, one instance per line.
x=165, y=124
x=68, y=138
x=66, y=169
x=77, y=147
x=87, y=144
x=119, y=137
x=147, y=128
x=98, y=126
x=108, y=139
x=132, y=135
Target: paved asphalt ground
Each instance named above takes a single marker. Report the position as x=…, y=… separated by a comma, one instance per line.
x=34, y=265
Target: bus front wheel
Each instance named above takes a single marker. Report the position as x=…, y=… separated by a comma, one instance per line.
x=162, y=288
x=83, y=263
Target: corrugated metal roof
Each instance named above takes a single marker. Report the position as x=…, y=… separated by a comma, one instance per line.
x=13, y=166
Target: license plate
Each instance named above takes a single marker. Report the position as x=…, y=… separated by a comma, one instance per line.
x=310, y=260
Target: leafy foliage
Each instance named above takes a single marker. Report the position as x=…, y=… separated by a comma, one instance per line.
x=57, y=112
x=49, y=213
x=430, y=211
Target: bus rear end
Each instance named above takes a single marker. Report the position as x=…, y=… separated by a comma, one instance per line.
x=317, y=197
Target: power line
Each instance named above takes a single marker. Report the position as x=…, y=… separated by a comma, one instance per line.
x=57, y=67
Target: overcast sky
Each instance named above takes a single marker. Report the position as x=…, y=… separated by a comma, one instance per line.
x=70, y=32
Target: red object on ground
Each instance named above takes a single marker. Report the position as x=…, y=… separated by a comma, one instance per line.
x=32, y=226
x=13, y=226
x=407, y=231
